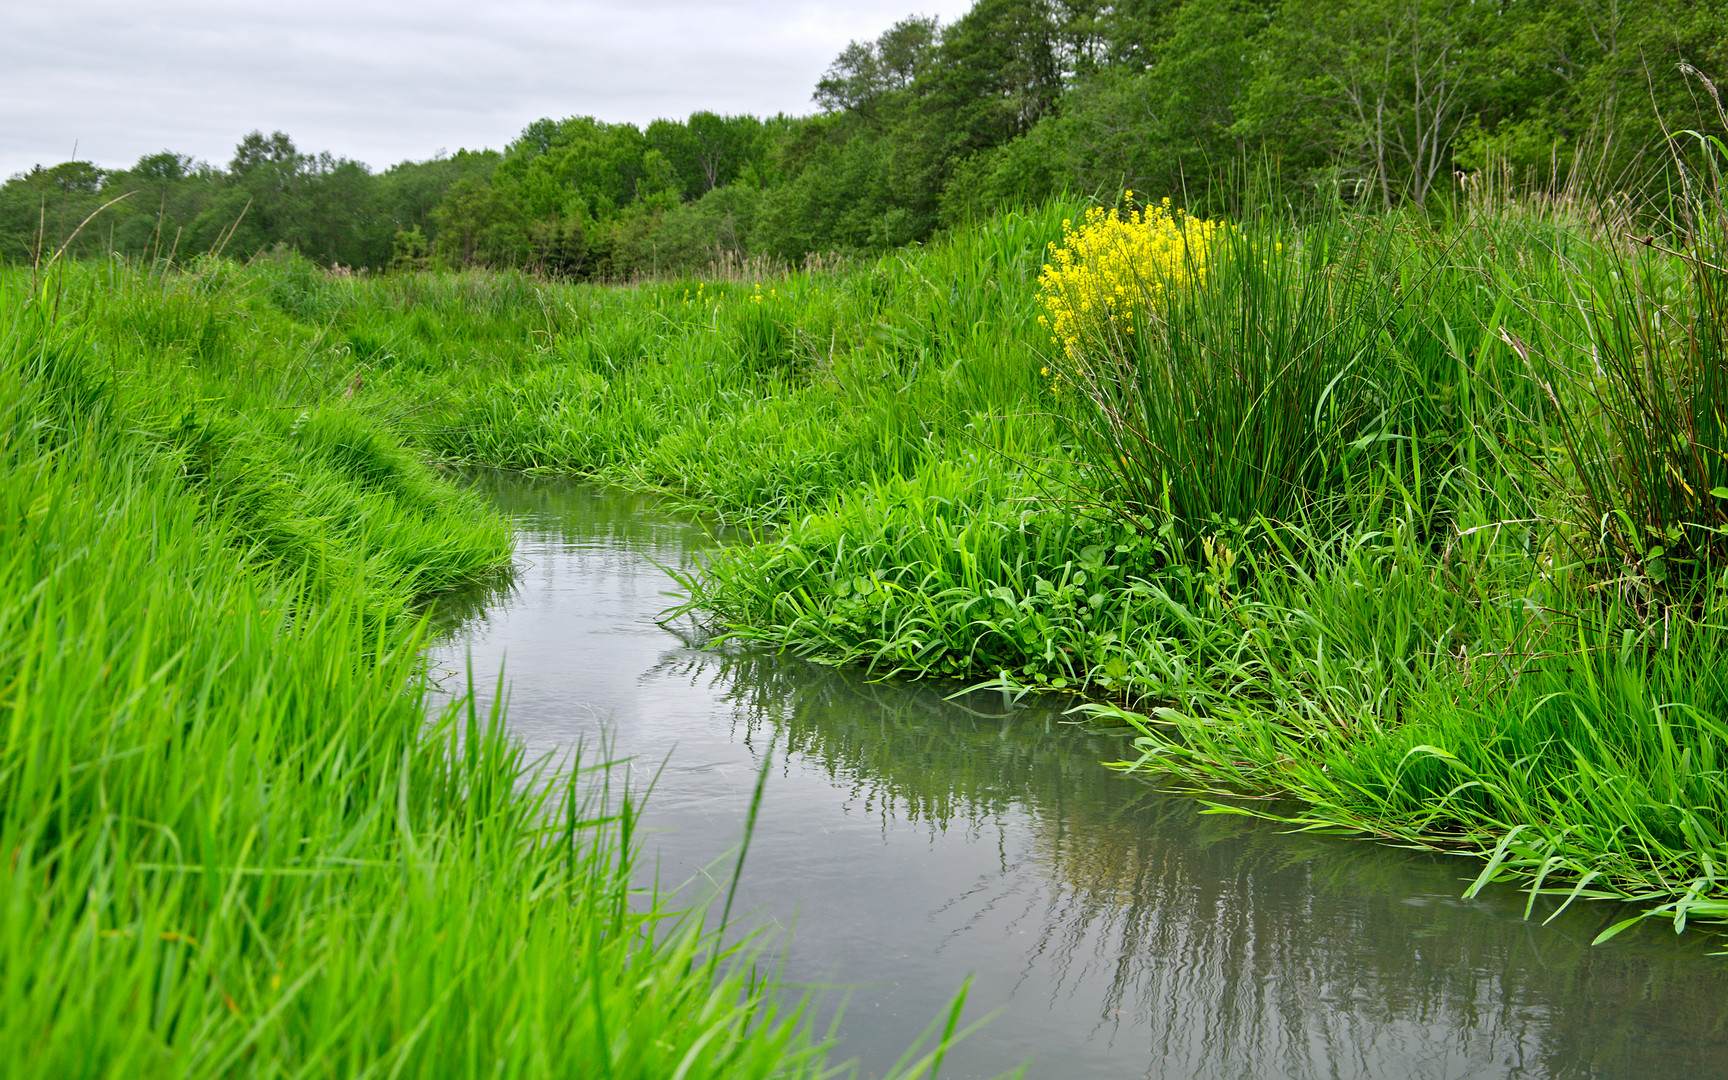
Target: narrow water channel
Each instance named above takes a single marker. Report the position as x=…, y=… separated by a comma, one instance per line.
x=908, y=842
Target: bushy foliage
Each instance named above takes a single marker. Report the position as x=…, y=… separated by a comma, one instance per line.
x=928, y=126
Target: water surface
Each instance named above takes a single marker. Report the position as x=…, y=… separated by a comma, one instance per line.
x=908, y=841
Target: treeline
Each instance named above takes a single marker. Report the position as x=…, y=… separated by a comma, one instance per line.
x=928, y=125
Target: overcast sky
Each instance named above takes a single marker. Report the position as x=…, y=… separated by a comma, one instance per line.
x=382, y=82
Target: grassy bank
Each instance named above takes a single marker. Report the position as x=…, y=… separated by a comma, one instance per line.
x=234, y=843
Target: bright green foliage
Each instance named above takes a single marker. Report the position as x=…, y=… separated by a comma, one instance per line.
x=237, y=845
x=939, y=574
x=743, y=397
x=1584, y=756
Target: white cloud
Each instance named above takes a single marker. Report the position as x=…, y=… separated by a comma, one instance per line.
x=383, y=82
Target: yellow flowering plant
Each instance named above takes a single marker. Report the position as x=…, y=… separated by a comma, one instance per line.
x=1115, y=267
x=1206, y=371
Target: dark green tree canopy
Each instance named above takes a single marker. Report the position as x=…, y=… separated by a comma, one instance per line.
x=928, y=124
x=867, y=71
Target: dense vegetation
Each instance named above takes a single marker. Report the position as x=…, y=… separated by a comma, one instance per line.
x=1402, y=494
x=238, y=841
x=929, y=126
x=1418, y=518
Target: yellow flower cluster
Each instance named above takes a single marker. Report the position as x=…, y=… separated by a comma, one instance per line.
x=1116, y=266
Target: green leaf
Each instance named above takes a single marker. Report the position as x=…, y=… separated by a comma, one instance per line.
x=1499, y=856
x=1616, y=928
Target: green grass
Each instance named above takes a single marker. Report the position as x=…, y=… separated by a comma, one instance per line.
x=235, y=842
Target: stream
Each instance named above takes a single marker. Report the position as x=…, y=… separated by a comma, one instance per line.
x=905, y=842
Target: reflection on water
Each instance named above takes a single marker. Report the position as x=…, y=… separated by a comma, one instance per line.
x=1121, y=931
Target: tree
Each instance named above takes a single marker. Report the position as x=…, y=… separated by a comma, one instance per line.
x=479, y=226
x=724, y=145
x=343, y=225
x=1606, y=77
x=1083, y=36
x=1388, y=85
x=866, y=72
x=39, y=209
x=410, y=251
x=708, y=150
x=275, y=154
x=409, y=193
x=996, y=74
x=1133, y=29
x=267, y=203
x=164, y=167
x=557, y=164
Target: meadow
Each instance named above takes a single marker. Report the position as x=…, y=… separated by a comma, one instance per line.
x=1415, y=521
